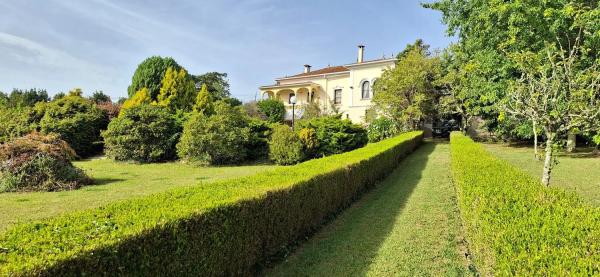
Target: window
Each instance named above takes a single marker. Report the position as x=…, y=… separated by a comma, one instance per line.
x=337, y=96
x=290, y=98
x=366, y=90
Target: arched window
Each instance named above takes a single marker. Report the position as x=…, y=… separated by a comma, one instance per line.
x=366, y=90
x=290, y=98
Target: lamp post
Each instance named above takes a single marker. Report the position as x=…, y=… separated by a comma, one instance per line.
x=293, y=102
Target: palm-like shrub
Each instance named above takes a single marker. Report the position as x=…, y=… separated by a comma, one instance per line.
x=220, y=138
x=144, y=133
x=39, y=162
x=78, y=121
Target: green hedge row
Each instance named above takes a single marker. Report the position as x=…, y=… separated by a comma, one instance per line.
x=517, y=226
x=222, y=228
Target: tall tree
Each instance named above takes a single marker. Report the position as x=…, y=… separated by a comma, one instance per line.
x=26, y=98
x=204, y=102
x=406, y=92
x=150, y=73
x=216, y=83
x=177, y=91
x=100, y=97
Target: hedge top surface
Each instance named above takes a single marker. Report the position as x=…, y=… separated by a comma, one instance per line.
x=517, y=226
x=27, y=247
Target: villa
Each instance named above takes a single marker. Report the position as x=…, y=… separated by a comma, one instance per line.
x=348, y=88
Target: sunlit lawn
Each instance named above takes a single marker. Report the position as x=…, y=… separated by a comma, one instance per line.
x=579, y=171
x=114, y=181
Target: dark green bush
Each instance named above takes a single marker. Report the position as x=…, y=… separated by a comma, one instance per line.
x=285, y=147
x=273, y=109
x=144, y=133
x=78, y=121
x=335, y=135
x=38, y=163
x=258, y=144
x=517, y=227
x=381, y=128
x=220, y=138
x=16, y=122
x=224, y=228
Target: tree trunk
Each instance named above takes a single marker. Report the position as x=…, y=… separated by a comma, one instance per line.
x=571, y=142
x=535, y=141
x=548, y=161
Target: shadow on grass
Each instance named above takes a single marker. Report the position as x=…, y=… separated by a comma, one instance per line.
x=349, y=244
x=104, y=181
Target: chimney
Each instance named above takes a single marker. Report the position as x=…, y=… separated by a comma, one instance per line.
x=361, y=53
x=306, y=68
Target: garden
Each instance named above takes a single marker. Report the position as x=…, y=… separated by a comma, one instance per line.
x=179, y=178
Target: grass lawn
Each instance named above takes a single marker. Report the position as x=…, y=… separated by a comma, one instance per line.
x=114, y=181
x=579, y=171
x=409, y=225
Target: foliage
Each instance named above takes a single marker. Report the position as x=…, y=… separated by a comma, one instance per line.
x=231, y=101
x=252, y=218
x=216, y=84
x=25, y=98
x=510, y=219
x=407, y=92
x=310, y=143
x=204, y=102
x=139, y=98
x=335, y=135
x=285, y=147
x=78, y=121
x=37, y=162
x=312, y=110
x=16, y=122
x=144, y=133
x=111, y=109
x=258, y=143
x=381, y=128
x=273, y=109
x=219, y=138
x=253, y=111
x=99, y=97
x=177, y=91
x=58, y=95
x=419, y=45
x=150, y=73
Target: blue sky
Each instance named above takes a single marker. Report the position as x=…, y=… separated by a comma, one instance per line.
x=97, y=44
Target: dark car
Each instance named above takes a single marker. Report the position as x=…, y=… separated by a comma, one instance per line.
x=444, y=127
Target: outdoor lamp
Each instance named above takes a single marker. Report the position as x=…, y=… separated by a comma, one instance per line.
x=293, y=102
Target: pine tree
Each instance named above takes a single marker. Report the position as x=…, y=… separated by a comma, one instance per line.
x=204, y=101
x=142, y=96
x=177, y=91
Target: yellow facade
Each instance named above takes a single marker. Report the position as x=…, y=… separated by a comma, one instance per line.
x=349, y=80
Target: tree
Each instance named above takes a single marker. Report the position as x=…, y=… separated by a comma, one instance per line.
x=139, y=98
x=406, y=92
x=216, y=83
x=58, y=95
x=99, y=97
x=419, y=45
x=177, y=91
x=75, y=92
x=558, y=95
x=26, y=98
x=204, y=102
x=273, y=109
x=150, y=73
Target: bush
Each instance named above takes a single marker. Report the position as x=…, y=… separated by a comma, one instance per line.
x=144, y=133
x=111, y=109
x=78, y=121
x=215, y=139
x=273, y=109
x=258, y=143
x=285, y=147
x=225, y=228
x=335, y=135
x=381, y=128
x=38, y=163
x=308, y=137
x=16, y=122
x=515, y=225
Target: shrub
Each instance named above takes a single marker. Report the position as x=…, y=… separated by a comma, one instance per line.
x=285, y=147
x=16, y=122
x=215, y=139
x=381, y=128
x=38, y=163
x=78, y=121
x=225, y=228
x=258, y=143
x=335, y=135
x=273, y=109
x=111, y=109
x=144, y=133
x=308, y=137
x=515, y=225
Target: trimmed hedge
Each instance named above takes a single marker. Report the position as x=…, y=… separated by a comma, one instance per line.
x=517, y=226
x=223, y=228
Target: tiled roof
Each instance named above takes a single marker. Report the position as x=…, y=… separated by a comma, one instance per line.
x=326, y=70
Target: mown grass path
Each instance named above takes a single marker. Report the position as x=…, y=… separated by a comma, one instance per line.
x=409, y=225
